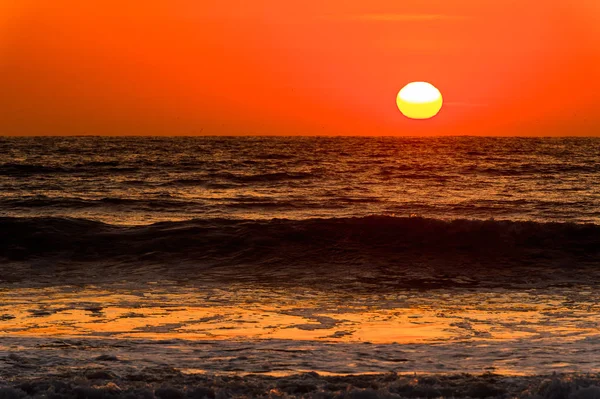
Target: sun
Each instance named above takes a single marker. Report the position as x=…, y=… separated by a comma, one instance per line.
x=419, y=100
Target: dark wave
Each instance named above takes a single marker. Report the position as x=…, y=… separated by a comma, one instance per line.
x=15, y=169
x=99, y=164
x=81, y=203
x=532, y=169
x=25, y=170
x=263, y=177
x=338, y=239
x=276, y=156
x=198, y=183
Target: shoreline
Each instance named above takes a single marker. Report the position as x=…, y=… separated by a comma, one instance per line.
x=165, y=383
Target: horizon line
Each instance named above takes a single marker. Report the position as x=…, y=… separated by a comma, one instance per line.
x=292, y=136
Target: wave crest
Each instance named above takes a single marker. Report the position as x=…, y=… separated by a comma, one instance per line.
x=338, y=239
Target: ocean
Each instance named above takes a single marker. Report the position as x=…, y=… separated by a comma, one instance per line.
x=303, y=265
x=133, y=181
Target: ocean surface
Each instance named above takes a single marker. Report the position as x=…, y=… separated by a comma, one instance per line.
x=278, y=256
x=143, y=180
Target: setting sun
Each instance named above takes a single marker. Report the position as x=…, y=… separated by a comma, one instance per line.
x=419, y=100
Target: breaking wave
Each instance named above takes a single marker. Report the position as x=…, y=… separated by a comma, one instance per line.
x=281, y=241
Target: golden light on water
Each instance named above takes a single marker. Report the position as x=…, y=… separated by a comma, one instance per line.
x=258, y=313
x=252, y=320
x=419, y=100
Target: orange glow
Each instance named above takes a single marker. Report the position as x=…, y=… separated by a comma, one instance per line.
x=297, y=67
x=278, y=314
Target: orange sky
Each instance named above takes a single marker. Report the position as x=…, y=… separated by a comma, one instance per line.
x=185, y=67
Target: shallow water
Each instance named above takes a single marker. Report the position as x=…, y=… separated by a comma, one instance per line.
x=245, y=329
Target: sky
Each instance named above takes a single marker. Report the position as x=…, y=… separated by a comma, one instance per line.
x=297, y=67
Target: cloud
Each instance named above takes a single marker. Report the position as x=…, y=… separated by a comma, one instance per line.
x=397, y=17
